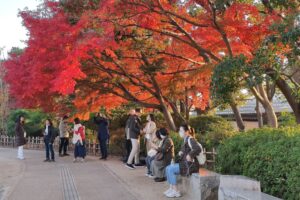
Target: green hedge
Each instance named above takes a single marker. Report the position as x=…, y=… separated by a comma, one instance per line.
x=271, y=156
x=211, y=130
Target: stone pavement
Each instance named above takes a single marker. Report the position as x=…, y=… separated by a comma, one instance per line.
x=32, y=179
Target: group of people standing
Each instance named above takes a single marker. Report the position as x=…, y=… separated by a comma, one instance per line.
x=49, y=135
x=64, y=132
x=160, y=151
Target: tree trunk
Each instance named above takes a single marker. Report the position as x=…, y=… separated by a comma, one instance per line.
x=259, y=115
x=187, y=110
x=271, y=116
x=262, y=96
x=168, y=117
x=238, y=117
x=288, y=93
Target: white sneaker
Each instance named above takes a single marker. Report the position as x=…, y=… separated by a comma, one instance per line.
x=75, y=160
x=82, y=160
x=168, y=191
x=173, y=194
x=151, y=176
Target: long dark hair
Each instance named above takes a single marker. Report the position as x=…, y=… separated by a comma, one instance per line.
x=50, y=121
x=19, y=118
x=152, y=117
x=189, y=129
x=77, y=120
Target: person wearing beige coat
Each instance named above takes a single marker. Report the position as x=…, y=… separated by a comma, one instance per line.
x=149, y=131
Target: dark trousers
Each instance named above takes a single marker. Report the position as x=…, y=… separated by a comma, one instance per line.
x=63, y=145
x=148, y=163
x=103, y=148
x=49, y=150
x=79, y=150
x=128, y=146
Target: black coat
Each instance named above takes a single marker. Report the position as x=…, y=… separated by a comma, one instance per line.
x=103, y=133
x=134, y=125
x=51, y=135
x=19, y=130
x=187, y=168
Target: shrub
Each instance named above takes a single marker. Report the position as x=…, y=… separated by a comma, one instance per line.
x=177, y=140
x=271, y=156
x=287, y=119
x=34, y=121
x=211, y=130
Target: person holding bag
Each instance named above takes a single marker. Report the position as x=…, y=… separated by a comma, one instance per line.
x=188, y=163
x=79, y=140
x=156, y=141
x=164, y=156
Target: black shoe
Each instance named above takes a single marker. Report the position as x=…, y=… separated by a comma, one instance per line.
x=160, y=179
x=66, y=154
x=129, y=166
x=61, y=155
x=139, y=164
x=47, y=160
x=102, y=158
x=52, y=160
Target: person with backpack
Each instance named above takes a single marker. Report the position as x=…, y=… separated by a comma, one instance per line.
x=188, y=162
x=49, y=137
x=79, y=140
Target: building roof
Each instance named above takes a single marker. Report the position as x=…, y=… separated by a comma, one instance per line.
x=279, y=106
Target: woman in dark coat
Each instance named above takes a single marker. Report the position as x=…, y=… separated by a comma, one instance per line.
x=103, y=134
x=49, y=137
x=20, y=136
x=166, y=148
x=188, y=162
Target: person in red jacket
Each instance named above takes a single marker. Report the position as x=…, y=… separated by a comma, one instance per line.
x=79, y=140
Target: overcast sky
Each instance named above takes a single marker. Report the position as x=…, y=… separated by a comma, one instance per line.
x=12, y=33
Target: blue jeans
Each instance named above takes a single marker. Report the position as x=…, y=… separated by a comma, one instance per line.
x=172, y=171
x=49, y=150
x=148, y=163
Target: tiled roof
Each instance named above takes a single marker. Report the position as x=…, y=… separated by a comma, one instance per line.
x=279, y=105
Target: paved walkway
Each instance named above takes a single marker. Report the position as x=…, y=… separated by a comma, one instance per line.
x=32, y=179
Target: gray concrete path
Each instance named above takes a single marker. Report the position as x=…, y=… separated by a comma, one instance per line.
x=32, y=179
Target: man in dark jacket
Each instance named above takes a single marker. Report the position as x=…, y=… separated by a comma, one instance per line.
x=20, y=136
x=49, y=137
x=133, y=130
x=103, y=134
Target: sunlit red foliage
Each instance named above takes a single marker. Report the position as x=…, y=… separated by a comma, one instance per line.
x=149, y=52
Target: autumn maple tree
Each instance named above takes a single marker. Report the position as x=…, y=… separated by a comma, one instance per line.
x=213, y=29
x=159, y=54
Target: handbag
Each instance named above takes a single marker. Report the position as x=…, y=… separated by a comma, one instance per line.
x=201, y=157
x=159, y=156
x=152, y=152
